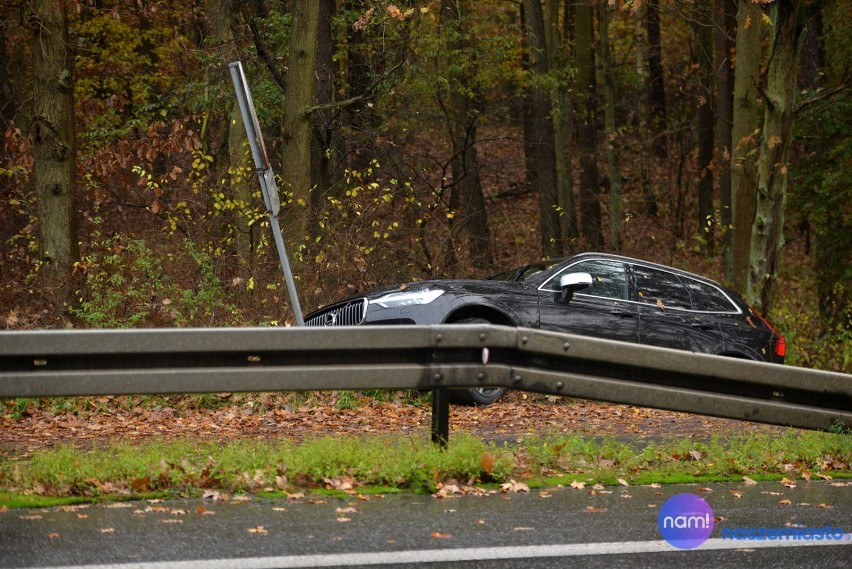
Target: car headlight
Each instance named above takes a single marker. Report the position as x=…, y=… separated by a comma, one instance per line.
x=399, y=299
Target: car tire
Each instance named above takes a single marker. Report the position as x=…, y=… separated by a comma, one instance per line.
x=479, y=396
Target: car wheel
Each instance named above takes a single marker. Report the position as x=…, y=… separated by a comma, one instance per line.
x=476, y=395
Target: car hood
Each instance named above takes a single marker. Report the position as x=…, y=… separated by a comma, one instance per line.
x=454, y=287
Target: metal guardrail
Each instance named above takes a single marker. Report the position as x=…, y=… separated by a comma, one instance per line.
x=124, y=362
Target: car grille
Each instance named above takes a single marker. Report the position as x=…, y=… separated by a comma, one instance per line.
x=349, y=313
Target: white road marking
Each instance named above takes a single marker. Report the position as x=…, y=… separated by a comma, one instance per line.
x=453, y=555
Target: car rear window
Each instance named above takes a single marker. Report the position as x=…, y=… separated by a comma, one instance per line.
x=654, y=286
x=708, y=298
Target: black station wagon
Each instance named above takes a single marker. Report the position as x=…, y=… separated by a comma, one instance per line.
x=594, y=294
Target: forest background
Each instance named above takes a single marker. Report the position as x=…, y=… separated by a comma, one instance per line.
x=421, y=139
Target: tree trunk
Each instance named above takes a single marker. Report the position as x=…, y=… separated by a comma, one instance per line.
x=657, y=83
x=584, y=56
x=561, y=124
x=750, y=36
x=220, y=16
x=52, y=132
x=767, y=231
x=704, y=59
x=324, y=141
x=542, y=137
x=642, y=112
x=726, y=21
x=610, y=133
x=7, y=91
x=296, y=160
x=467, y=202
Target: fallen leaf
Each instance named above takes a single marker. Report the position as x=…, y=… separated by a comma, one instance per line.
x=171, y=521
x=514, y=487
x=342, y=519
x=593, y=510
x=53, y=535
x=737, y=493
x=785, y=502
x=623, y=482
x=487, y=463
x=748, y=481
x=258, y=530
x=439, y=535
x=107, y=530
x=824, y=506
x=522, y=528
x=347, y=510
x=788, y=483
x=578, y=485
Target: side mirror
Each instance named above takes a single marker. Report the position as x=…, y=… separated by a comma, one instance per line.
x=571, y=282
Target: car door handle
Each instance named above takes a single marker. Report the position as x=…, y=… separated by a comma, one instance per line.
x=622, y=313
x=702, y=325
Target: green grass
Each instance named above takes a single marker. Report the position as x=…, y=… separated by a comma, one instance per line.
x=386, y=463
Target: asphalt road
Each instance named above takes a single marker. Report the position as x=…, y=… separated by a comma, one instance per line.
x=614, y=528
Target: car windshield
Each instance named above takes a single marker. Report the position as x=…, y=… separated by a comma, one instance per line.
x=524, y=273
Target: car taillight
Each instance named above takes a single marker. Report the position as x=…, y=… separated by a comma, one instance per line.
x=780, y=347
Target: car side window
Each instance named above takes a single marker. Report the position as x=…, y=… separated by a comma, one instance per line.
x=708, y=298
x=609, y=279
x=660, y=288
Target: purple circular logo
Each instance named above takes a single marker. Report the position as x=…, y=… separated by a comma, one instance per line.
x=685, y=521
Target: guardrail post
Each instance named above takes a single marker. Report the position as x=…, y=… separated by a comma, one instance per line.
x=440, y=416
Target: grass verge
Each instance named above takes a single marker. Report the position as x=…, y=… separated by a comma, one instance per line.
x=395, y=463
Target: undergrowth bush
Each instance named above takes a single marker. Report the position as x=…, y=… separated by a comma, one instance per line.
x=127, y=285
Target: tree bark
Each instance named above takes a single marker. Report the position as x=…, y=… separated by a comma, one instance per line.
x=726, y=21
x=52, y=131
x=325, y=144
x=657, y=83
x=561, y=123
x=296, y=160
x=7, y=91
x=543, y=159
x=220, y=17
x=767, y=231
x=642, y=112
x=584, y=56
x=750, y=37
x=610, y=132
x=704, y=59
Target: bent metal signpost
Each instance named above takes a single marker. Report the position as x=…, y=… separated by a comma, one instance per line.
x=268, y=187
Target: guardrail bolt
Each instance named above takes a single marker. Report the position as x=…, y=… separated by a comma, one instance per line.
x=565, y=346
x=524, y=340
x=437, y=377
x=480, y=376
x=482, y=336
x=516, y=379
x=439, y=337
x=559, y=385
